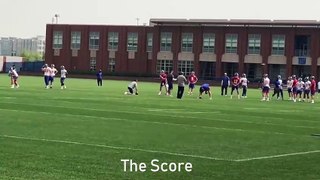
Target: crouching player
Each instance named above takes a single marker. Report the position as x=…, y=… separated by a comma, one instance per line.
x=205, y=88
x=63, y=73
x=132, y=88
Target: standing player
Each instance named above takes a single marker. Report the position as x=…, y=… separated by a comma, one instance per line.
x=46, y=72
x=265, y=88
x=99, y=77
x=225, y=83
x=132, y=88
x=163, y=81
x=300, y=87
x=53, y=72
x=294, y=87
x=235, y=81
x=63, y=73
x=289, y=87
x=205, y=88
x=313, y=88
x=14, y=77
x=182, y=80
x=278, y=88
x=192, y=81
x=170, y=80
x=306, y=91
x=244, y=84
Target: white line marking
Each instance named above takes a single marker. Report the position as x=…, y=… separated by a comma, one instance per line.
x=116, y=147
x=277, y=156
x=153, y=122
x=165, y=115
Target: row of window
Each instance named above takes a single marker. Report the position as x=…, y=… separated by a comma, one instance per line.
x=231, y=42
x=167, y=66
x=111, y=65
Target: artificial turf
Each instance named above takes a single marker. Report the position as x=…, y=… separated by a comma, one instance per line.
x=84, y=131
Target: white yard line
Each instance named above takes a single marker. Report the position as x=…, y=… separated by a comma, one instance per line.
x=162, y=114
x=151, y=122
x=116, y=147
x=277, y=156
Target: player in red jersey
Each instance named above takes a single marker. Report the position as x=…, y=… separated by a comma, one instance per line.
x=294, y=87
x=235, y=81
x=313, y=88
x=192, y=81
x=163, y=81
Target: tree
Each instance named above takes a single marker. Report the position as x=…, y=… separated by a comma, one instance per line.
x=31, y=56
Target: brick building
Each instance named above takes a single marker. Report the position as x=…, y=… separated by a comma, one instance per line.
x=209, y=47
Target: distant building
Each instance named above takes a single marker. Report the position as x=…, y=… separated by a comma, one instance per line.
x=12, y=46
x=208, y=47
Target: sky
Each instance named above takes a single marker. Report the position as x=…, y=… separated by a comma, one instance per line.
x=28, y=18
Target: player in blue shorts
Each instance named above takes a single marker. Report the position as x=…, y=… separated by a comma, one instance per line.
x=205, y=88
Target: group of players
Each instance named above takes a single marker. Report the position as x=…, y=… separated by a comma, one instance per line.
x=298, y=90
x=50, y=72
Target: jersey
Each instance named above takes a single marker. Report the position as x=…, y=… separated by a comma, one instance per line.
x=295, y=83
x=53, y=72
x=289, y=83
x=205, y=87
x=300, y=85
x=14, y=73
x=313, y=85
x=307, y=85
x=235, y=80
x=46, y=71
x=318, y=84
x=266, y=82
x=63, y=73
x=244, y=81
x=163, y=77
x=133, y=85
x=192, y=79
x=279, y=83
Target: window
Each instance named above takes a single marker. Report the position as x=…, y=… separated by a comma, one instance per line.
x=231, y=43
x=57, y=39
x=132, y=41
x=166, y=65
x=278, y=44
x=112, y=65
x=149, y=42
x=254, y=44
x=187, y=41
x=185, y=66
x=94, y=40
x=208, y=42
x=75, y=40
x=166, y=41
x=113, y=41
x=93, y=64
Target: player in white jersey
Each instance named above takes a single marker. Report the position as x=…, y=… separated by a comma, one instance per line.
x=132, y=88
x=46, y=72
x=265, y=88
x=53, y=72
x=63, y=77
x=300, y=87
x=306, y=91
x=14, y=77
x=244, y=84
x=289, y=87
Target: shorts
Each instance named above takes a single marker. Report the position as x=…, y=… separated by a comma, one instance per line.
x=313, y=92
x=201, y=90
x=51, y=78
x=191, y=86
x=306, y=91
x=289, y=90
x=14, y=77
x=294, y=90
x=130, y=90
x=234, y=87
x=299, y=91
x=162, y=83
x=265, y=89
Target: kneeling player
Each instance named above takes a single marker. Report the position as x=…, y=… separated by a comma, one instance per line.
x=132, y=88
x=206, y=89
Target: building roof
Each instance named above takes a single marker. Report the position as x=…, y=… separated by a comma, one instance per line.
x=234, y=22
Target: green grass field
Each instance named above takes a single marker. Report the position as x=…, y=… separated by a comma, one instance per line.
x=84, y=131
